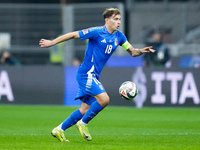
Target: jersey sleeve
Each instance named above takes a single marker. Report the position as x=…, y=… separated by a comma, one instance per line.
x=90, y=33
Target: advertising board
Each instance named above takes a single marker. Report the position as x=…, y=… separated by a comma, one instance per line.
x=158, y=87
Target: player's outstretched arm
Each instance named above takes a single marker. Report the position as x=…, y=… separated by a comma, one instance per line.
x=137, y=52
x=65, y=37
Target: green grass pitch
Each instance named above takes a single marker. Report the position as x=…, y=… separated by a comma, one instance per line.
x=115, y=128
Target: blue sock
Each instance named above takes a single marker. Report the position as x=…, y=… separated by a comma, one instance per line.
x=72, y=119
x=94, y=109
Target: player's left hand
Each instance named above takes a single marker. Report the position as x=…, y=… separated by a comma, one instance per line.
x=147, y=50
x=45, y=43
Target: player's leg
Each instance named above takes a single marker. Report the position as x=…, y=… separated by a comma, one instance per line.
x=75, y=117
x=102, y=101
x=93, y=93
x=58, y=132
x=84, y=108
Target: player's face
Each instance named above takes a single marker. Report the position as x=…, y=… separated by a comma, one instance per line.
x=114, y=22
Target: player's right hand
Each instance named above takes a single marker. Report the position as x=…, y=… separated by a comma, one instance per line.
x=45, y=43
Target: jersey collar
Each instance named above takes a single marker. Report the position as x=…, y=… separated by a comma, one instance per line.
x=106, y=31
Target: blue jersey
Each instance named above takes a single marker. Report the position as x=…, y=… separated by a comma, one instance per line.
x=100, y=47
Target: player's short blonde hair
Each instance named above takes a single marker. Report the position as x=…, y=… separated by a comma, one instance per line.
x=110, y=11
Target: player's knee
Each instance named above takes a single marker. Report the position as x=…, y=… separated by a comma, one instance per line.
x=84, y=108
x=105, y=101
x=83, y=111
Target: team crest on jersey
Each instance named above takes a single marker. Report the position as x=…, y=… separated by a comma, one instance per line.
x=116, y=42
x=85, y=31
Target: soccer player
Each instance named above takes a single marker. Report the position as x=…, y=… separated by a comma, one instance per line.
x=103, y=40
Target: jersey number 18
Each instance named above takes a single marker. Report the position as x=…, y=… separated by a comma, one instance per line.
x=108, y=49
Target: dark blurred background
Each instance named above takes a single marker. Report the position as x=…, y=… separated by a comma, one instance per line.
x=24, y=22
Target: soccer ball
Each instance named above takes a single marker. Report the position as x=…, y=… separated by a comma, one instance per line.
x=128, y=90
